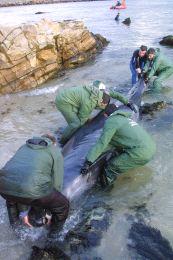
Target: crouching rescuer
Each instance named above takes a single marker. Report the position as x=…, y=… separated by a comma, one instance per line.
x=77, y=103
x=133, y=145
x=33, y=177
x=158, y=68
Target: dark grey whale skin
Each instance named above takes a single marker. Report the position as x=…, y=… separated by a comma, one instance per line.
x=145, y=242
x=76, y=149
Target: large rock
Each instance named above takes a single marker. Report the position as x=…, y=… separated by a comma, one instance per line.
x=167, y=40
x=51, y=253
x=32, y=54
x=148, y=243
x=127, y=21
x=5, y=3
x=150, y=108
x=93, y=220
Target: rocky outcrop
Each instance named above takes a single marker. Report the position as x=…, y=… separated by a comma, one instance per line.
x=24, y=2
x=127, y=21
x=5, y=3
x=94, y=220
x=32, y=54
x=48, y=253
x=168, y=40
x=148, y=242
x=150, y=108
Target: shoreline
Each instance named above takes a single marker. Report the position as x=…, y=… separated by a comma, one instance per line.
x=33, y=54
x=43, y=2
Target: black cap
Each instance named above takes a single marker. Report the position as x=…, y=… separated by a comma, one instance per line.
x=143, y=48
x=151, y=51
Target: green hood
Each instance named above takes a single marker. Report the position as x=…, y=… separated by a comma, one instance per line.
x=95, y=93
x=34, y=171
x=39, y=142
x=159, y=64
x=157, y=53
x=122, y=133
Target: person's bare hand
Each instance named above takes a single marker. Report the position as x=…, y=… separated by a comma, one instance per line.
x=138, y=70
x=89, y=120
x=25, y=220
x=48, y=222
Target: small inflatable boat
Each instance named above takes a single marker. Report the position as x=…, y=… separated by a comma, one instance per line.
x=119, y=7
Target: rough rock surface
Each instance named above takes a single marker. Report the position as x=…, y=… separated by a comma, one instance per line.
x=148, y=108
x=5, y=3
x=167, y=40
x=48, y=254
x=149, y=243
x=94, y=220
x=127, y=21
x=31, y=54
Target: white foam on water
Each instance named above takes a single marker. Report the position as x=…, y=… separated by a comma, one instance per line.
x=78, y=186
x=32, y=234
x=41, y=91
x=3, y=215
x=70, y=223
x=11, y=243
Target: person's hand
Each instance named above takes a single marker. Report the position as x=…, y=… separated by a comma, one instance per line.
x=110, y=109
x=85, y=168
x=48, y=218
x=145, y=77
x=138, y=70
x=146, y=80
x=139, y=75
x=132, y=106
x=89, y=120
x=25, y=221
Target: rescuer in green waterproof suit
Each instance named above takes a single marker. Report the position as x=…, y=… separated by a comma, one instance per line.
x=34, y=177
x=134, y=145
x=77, y=103
x=157, y=65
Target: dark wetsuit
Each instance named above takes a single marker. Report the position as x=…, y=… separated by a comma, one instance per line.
x=135, y=63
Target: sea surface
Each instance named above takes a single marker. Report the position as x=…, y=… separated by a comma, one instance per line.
x=32, y=113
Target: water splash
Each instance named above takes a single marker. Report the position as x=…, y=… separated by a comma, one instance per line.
x=31, y=234
x=41, y=91
x=78, y=186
